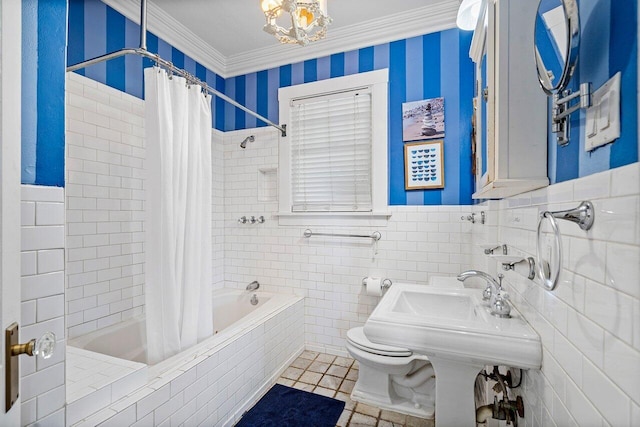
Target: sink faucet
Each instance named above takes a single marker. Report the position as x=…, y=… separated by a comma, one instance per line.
x=493, y=292
x=253, y=285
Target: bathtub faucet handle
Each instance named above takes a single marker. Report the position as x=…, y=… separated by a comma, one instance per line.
x=253, y=286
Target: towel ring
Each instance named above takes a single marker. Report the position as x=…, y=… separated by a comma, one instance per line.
x=544, y=269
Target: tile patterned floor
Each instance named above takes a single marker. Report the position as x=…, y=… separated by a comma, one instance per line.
x=335, y=377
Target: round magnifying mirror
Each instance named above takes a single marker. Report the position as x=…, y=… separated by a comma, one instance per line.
x=557, y=39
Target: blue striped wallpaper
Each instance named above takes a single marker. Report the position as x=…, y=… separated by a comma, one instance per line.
x=421, y=67
x=608, y=44
x=42, y=108
x=96, y=29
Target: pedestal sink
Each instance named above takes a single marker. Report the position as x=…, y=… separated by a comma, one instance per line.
x=455, y=329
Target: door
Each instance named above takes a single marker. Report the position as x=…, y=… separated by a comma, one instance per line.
x=10, y=87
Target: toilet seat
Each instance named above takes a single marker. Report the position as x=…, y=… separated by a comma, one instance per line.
x=358, y=339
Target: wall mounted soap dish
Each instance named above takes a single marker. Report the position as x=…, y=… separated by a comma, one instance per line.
x=509, y=262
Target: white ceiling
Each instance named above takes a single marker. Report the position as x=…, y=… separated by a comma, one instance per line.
x=226, y=35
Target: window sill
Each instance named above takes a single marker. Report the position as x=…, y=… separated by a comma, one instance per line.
x=364, y=219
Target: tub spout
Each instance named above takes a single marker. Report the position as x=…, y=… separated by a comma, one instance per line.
x=253, y=285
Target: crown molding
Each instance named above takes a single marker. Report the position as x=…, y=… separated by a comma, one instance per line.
x=173, y=32
x=429, y=19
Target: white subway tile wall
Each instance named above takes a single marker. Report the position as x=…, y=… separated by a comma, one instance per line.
x=217, y=210
x=589, y=325
x=105, y=183
x=105, y=201
x=42, y=307
x=418, y=242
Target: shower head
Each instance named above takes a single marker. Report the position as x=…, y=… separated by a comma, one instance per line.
x=250, y=138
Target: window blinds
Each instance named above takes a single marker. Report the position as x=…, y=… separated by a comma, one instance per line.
x=331, y=153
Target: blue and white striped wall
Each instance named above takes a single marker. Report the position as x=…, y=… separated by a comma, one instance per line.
x=422, y=67
x=608, y=44
x=44, y=26
x=96, y=29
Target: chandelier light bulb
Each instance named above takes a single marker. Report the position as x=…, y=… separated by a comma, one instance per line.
x=305, y=17
x=308, y=20
x=268, y=5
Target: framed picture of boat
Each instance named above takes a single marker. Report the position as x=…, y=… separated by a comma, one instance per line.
x=423, y=119
x=424, y=165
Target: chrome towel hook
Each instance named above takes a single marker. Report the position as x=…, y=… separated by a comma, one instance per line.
x=583, y=215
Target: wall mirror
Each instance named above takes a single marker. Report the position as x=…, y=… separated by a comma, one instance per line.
x=557, y=40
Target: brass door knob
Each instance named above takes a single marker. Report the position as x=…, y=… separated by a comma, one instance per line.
x=43, y=347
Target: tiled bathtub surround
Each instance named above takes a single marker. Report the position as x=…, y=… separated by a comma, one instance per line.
x=105, y=205
x=590, y=325
x=105, y=200
x=42, y=381
x=217, y=386
x=95, y=380
x=417, y=242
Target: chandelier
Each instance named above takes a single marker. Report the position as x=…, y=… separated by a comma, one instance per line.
x=309, y=20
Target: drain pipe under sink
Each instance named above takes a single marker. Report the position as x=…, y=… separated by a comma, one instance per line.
x=483, y=413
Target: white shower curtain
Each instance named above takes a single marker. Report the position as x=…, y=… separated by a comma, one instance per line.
x=178, y=207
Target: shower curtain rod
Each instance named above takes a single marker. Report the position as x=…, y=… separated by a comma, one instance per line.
x=142, y=51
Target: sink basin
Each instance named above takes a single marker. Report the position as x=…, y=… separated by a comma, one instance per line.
x=446, y=282
x=453, y=327
x=441, y=306
x=452, y=321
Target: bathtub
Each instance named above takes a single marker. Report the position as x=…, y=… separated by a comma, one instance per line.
x=254, y=342
x=232, y=308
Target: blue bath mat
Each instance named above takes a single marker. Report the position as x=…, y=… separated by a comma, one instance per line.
x=285, y=406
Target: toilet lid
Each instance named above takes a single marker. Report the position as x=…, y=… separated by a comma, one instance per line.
x=357, y=337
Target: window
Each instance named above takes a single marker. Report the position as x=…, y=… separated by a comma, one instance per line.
x=333, y=161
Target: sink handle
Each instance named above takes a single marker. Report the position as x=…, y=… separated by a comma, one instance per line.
x=500, y=306
x=486, y=294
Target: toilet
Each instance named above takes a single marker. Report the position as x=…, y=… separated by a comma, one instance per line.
x=392, y=378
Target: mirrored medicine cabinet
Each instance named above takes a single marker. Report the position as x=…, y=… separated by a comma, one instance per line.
x=510, y=108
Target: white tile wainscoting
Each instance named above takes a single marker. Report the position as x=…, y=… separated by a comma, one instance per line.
x=42, y=309
x=417, y=242
x=590, y=324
